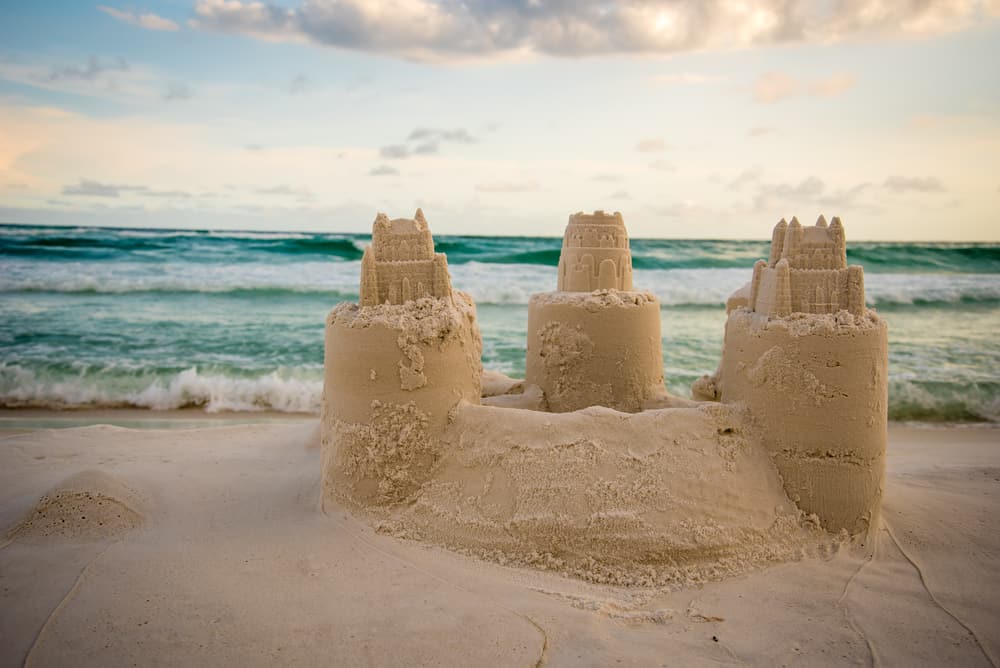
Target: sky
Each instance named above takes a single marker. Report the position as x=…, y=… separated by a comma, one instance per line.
x=694, y=118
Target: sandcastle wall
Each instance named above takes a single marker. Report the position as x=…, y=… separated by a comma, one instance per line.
x=595, y=341
x=815, y=379
x=393, y=373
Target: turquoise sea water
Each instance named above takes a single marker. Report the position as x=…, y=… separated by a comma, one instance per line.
x=234, y=321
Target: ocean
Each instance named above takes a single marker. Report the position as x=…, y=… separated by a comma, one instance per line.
x=233, y=321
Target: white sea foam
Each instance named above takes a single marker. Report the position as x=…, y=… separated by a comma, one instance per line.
x=297, y=392
x=488, y=283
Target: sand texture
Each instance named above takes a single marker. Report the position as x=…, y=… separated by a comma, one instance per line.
x=234, y=564
x=393, y=375
x=662, y=497
x=595, y=349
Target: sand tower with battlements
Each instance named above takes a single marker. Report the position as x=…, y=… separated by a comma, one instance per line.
x=807, y=272
x=401, y=265
x=810, y=361
x=595, y=341
x=595, y=254
x=396, y=364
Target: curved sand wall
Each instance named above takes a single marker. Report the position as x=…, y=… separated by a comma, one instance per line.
x=660, y=497
x=595, y=349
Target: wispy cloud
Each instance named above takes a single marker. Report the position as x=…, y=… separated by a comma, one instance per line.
x=759, y=131
x=776, y=86
x=285, y=191
x=177, y=91
x=685, y=78
x=662, y=166
x=607, y=177
x=904, y=184
x=299, y=84
x=426, y=141
x=93, y=188
x=92, y=70
x=478, y=29
x=383, y=170
x=507, y=186
x=147, y=21
x=106, y=77
x=651, y=145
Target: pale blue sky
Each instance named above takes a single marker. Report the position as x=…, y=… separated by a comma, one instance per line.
x=708, y=119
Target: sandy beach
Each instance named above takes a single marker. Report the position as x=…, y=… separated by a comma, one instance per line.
x=209, y=546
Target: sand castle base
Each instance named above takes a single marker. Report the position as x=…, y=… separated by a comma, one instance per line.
x=595, y=349
x=818, y=383
x=393, y=373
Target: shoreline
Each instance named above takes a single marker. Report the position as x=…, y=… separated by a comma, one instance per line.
x=23, y=420
x=31, y=419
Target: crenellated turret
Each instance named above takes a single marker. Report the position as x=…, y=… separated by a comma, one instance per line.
x=815, y=263
x=401, y=265
x=595, y=253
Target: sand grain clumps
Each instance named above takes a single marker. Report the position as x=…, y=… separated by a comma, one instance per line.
x=91, y=505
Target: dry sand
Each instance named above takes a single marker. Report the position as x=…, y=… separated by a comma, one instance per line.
x=220, y=555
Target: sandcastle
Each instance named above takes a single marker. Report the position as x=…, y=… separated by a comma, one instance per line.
x=588, y=465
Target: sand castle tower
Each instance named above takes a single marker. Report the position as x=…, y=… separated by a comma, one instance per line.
x=595, y=341
x=810, y=361
x=395, y=366
x=595, y=254
x=401, y=264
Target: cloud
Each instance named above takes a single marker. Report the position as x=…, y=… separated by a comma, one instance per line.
x=177, y=91
x=92, y=188
x=426, y=141
x=395, y=152
x=284, y=191
x=383, y=170
x=775, y=196
x=507, y=186
x=94, y=69
x=607, y=178
x=776, y=86
x=147, y=21
x=747, y=176
x=299, y=84
x=904, y=184
x=684, y=78
x=662, y=166
x=431, y=30
x=652, y=145
x=620, y=194
x=758, y=131
x=458, y=135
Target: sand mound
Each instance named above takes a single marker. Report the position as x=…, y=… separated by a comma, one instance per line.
x=90, y=505
x=674, y=496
